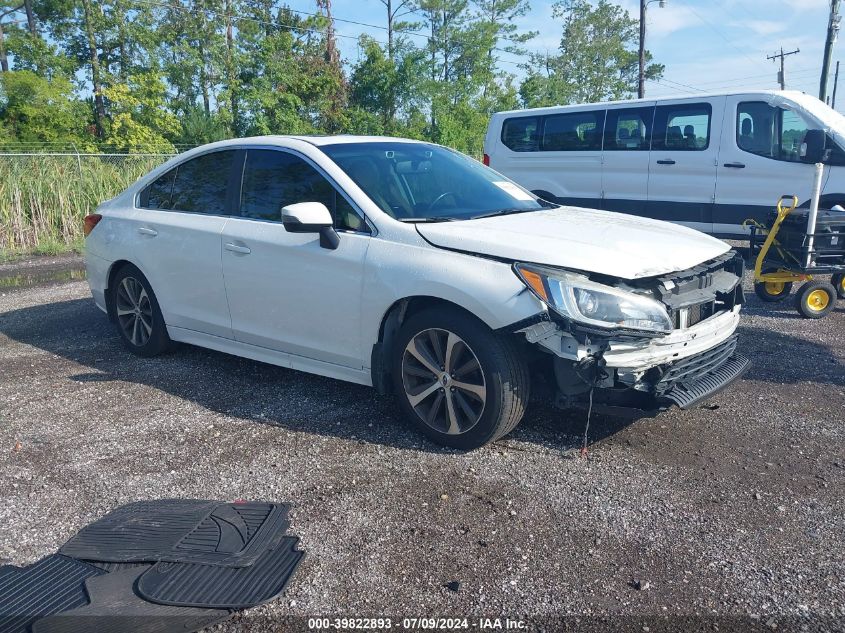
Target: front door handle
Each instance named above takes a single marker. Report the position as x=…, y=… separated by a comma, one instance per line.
x=235, y=248
x=735, y=165
x=145, y=230
x=666, y=161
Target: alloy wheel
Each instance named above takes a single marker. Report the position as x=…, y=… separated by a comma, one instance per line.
x=134, y=311
x=443, y=381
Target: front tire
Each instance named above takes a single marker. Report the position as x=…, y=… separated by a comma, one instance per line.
x=137, y=314
x=772, y=291
x=459, y=382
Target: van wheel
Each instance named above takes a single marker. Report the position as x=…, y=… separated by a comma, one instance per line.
x=771, y=291
x=815, y=299
x=459, y=382
x=838, y=281
x=137, y=313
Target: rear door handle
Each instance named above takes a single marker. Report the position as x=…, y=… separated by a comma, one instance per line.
x=666, y=161
x=243, y=250
x=145, y=230
x=735, y=165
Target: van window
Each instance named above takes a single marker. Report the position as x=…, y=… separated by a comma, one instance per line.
x=628, y=129
x=684, y=127
x=572, y=132
x=770, y=131
x=521, y=134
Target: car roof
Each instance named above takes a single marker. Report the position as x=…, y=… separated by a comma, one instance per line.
x=284, y=140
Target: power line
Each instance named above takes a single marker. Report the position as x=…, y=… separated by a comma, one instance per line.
x=718, y=32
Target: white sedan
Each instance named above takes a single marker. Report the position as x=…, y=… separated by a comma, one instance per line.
x=414, y=269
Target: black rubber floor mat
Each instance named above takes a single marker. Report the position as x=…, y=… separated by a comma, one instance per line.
x=193, y=585
x=116, y=608
x=182, y=530
x=51, y=585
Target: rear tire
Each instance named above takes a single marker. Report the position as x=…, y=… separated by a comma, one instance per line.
x=838, y=281
x=815, y=299
x=137, y=314
x=459, y=382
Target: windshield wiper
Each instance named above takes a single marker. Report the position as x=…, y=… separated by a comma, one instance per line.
x=503, y=212
x=428, y=220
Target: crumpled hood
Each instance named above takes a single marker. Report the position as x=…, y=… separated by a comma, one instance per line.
x=589, y=240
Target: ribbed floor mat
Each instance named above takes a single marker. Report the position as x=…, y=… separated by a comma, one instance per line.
x=194, y=585
x=182, y=530
x=116, y=608
x=51, y=585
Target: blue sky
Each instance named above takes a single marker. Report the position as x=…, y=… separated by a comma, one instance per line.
x=706, y=45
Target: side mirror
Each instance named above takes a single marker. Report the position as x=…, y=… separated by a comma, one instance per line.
x=812, y=148
x=311, y=217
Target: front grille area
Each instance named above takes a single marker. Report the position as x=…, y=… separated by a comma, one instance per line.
x=689, y=316
x=694, y=368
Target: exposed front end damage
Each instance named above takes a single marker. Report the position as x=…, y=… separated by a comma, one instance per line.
x=645, y=370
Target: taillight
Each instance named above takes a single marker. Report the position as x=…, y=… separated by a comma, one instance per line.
x=486, y=160
x=90, y=222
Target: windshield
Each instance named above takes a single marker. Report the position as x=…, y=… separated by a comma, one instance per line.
x=421, y=182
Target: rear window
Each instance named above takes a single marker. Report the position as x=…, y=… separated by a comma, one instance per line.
x=521, y=134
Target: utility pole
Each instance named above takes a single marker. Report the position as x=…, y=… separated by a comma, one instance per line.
x=641, y=82
x=832, y=32
x=835, y=84
x=782, y=73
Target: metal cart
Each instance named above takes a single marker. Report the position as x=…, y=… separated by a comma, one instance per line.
x=798, y=256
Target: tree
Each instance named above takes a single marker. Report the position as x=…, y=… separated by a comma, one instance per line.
x=596, y=60
x=139, y=122
x=37, y=110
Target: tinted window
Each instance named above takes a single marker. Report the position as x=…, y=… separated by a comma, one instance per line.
x=276, y=179
x=521, y=135
x=682, y=127
x=573, y=132
x=628, y=129
x=157, y=195
x=201, y=183
x=770, y=131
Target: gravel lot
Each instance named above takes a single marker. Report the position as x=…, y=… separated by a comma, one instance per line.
x=728, y=515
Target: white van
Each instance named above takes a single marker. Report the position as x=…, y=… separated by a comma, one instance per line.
x=708, y=161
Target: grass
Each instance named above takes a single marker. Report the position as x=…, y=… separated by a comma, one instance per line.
x=43, y=199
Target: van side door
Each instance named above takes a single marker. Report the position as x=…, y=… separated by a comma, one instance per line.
x=684, y=153
x=625, y=166
x=758, y=162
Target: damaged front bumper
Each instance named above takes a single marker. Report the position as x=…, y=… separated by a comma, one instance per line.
x=650, y=372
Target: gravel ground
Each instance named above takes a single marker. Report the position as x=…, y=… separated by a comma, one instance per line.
x=731, y=514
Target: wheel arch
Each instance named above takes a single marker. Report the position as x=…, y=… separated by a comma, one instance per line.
x=115, y=268
x=391, y=321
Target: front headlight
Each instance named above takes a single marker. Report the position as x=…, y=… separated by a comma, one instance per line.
x=578, y=298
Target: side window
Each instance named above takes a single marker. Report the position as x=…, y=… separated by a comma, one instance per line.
x=521, y=134
x=275, y=179
x=770, y=131
x=202, y=182
x=573, y=132
x=158, y=194
x=682, y=127
x=628, y=129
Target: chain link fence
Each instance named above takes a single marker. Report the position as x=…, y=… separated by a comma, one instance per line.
x=45, y=195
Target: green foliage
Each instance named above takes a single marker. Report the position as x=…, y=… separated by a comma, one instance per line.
x=38, y=110
x=138, y=122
